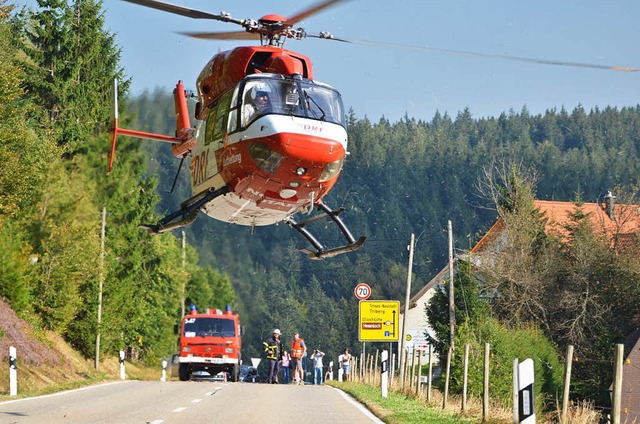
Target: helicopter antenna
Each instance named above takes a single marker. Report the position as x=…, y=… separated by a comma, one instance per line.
x=175, y=180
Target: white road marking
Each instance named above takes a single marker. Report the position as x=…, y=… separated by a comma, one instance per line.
x=361, y=407
x=196, y=401
x=182, y=408
x=156, y=422
x=68, y=391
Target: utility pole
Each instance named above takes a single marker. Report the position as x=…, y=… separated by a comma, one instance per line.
x=452, y=315
x=403, y=336
x=100, y=284
x=184, y=273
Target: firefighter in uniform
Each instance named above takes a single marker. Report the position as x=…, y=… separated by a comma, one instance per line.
x=298, y=351
x=273, y=350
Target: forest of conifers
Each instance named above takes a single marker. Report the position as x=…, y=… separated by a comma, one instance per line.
x=57, y=67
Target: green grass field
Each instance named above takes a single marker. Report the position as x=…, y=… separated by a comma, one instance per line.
x=398, y=408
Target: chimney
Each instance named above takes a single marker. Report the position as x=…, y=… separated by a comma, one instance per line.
x=609, y=200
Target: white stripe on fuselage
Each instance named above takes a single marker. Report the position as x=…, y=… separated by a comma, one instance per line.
x=274, y=124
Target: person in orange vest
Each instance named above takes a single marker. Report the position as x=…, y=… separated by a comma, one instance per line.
x=298, y=351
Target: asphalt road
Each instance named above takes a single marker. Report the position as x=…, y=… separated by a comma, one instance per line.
x=191, y=401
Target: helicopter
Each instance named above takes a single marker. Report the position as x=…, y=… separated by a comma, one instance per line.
x=253, y=165
x=258, y=166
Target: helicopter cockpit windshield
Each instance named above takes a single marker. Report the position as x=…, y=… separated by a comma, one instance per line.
x=290, y=96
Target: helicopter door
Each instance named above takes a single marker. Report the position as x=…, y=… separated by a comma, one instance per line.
x=217, y=122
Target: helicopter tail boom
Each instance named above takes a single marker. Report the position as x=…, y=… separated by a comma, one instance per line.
x=182, y=142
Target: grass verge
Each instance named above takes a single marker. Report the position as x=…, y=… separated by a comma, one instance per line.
x=398, y=408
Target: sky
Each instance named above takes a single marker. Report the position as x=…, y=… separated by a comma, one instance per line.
x=379, y=81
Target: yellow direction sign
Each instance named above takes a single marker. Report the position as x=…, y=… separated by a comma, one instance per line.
x=379, y=321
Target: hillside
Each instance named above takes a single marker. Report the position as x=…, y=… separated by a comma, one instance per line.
x=47, y=363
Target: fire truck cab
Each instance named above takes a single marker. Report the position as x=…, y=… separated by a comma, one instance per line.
x=210, y=342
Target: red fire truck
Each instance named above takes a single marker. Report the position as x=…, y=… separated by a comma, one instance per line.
x=210, y=342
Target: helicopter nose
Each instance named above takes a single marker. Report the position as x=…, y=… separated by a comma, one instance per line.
x=313, y=149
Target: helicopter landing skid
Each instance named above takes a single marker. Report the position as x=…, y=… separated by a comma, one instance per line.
x=321, y=251
x=187, y=214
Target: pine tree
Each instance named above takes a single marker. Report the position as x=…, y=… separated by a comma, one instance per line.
x=73, y=64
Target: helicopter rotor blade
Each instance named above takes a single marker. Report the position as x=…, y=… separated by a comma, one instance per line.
x=318, y=7
x=232, y=35
x=480, y=54
x=328, y=36
x=185, y=11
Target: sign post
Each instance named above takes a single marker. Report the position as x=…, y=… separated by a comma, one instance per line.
x=379, y=321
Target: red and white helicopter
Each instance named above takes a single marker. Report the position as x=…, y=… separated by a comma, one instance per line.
x=270, y=140
x=256, y=161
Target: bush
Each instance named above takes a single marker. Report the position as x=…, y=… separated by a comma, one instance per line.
x=506, y=345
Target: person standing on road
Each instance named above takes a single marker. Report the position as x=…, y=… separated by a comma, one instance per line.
x=317, y=366
x=344, y=361
x=298, y=350
x=273, y=350
x=284, y=365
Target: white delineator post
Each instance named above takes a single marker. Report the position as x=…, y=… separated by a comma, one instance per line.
x=164, y=371
x=122, y=376
x=331, y=370
x=516, y=407
x=13, y=372
x=526, y=411
x=385, y=373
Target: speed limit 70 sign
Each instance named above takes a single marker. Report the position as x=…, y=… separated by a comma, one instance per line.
x=362, y=291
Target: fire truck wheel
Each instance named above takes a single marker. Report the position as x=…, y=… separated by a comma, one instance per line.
x=235, y=373
x=183, y=372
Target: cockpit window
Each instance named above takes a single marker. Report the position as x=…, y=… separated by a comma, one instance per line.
x=293, y=97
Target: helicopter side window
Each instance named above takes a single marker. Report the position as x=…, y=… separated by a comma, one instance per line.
x=210, y=128
x=216, y=123
x=232, y=122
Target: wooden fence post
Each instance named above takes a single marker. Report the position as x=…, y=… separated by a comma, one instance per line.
x=405, y=370
x=418, y=383
x=465, y=377
x=371, y=368
x=616, y=397
x=567, y=383
x=413, y=369
x=430, y=374
x=445, y=396
x=392, y=373
x=375, y=371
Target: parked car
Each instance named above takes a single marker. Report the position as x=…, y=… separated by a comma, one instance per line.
x=249, y=374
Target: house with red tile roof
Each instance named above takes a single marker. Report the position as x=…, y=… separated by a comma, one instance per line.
x=620, y=223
